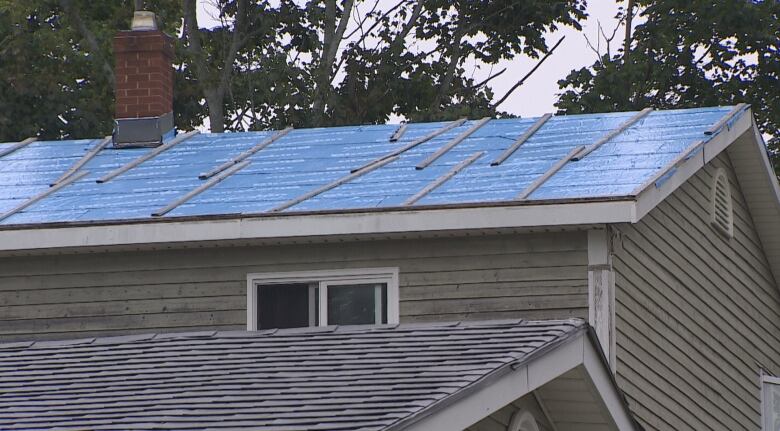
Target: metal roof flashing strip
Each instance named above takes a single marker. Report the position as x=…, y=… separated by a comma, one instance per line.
x=18, y=146
x=577, y=151
x=376, y=165
x=450, y=145
x=414, y=143
x=83, y=160
x=443, y=179
x=201, y=188
x=611, y=135
x=522, y=139
x=44, y=194
x=239, y=158
x=667, y=171
x=151, y=154
x=727, y=119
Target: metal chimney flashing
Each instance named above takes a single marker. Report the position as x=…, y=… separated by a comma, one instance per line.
x=143, y=132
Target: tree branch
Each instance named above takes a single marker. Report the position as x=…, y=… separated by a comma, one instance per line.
x=454, y=50
x=333, y=35
x=191, y=33
x=528, y=75
x=627, y=39
x=74, y=14
x=488, y=79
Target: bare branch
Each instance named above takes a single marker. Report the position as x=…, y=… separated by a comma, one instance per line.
x=488, y=79
x=360, y=22
x=528, y=75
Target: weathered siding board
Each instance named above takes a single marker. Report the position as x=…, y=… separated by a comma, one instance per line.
x=696, y=312
x=494, y=276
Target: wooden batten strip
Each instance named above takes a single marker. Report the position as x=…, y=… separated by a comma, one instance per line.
x=550, y=172
x=399, y=132
x=241, y=157
x=522, y=139
x=611, y=135
x=414, y=143
x=443, y=179
x=151, y=154
x=39, y=196
x=675, y=163
x=83, y=160
x=723, y=121
x=18, y=146
x=345, y=179
x=201, y=188
x=450, y=145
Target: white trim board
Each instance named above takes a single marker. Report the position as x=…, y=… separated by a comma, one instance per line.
x=524, y=379
x=655, y=193
x=318, y=225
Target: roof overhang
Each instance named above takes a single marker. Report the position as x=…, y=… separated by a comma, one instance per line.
x=742, y=141
x=577, y=357
x=170, y=232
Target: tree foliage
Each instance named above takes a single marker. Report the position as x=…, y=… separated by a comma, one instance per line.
x=269, y=64
x=688, y=53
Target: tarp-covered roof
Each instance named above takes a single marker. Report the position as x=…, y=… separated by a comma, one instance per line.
x=305, y=160
x=329, y=378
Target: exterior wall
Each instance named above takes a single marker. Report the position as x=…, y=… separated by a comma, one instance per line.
x=539, y=276
x=696, y=313
x=500, y=420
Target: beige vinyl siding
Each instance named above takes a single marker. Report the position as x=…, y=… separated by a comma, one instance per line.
x=541, y=275
x=499, y=421
x=696, y=313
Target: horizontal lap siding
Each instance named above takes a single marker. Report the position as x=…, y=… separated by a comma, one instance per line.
x=696, y=313
x=497, y=276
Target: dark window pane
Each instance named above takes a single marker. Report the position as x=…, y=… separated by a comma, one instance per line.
x=384, y=304
x=283, y=306
x=352, y=304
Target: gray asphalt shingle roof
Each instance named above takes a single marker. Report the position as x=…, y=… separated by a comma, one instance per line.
x=331, y=378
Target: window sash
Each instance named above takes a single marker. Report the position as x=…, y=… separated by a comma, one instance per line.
x=319, y=281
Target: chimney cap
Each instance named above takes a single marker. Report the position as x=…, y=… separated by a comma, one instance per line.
x=144, y=21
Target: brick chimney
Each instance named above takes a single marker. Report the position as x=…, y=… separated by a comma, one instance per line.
x=144, y=84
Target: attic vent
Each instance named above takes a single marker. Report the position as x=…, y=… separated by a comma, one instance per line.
x=722, y=214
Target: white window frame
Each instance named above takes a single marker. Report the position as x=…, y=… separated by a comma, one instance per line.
x=325, y=278
x=765, y=407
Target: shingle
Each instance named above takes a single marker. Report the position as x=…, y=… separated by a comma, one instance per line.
x=348, y=378
x=306, y=159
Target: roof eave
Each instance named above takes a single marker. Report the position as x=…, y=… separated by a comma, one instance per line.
x=513, y=381
x=319, y=224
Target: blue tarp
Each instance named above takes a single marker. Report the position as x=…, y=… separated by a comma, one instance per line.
x=306, y=159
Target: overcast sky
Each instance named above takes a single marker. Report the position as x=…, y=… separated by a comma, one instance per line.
x=539, y=92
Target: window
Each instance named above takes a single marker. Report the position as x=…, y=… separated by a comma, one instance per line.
x=320, y=298
x=721, y=211
x=770, y=403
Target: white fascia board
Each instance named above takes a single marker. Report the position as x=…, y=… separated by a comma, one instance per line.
x=317, y=225
x=653, y=195
x=602, y=381
x=468, y=410
x=760, y=148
